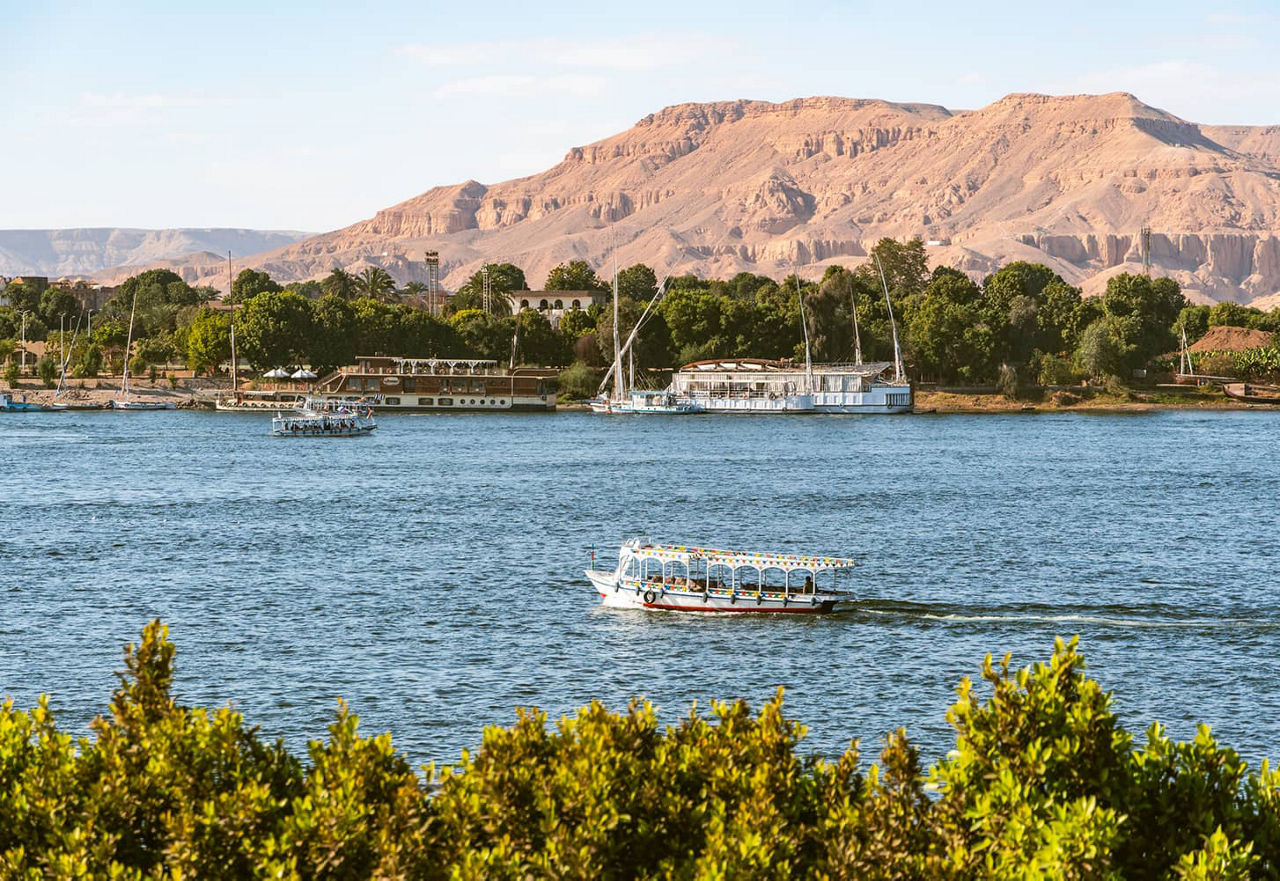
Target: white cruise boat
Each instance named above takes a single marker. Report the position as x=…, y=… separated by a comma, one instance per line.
x=690, y=579
x=754, y=385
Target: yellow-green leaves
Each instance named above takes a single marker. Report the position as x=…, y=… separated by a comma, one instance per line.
x=1043, y=783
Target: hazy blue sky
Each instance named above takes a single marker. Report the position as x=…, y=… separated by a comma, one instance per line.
x=311, y=116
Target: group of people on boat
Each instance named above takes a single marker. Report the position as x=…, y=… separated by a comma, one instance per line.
x=689, y=584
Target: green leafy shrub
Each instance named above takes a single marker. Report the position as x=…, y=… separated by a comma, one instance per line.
x=1043, y=783
x=47, y=370
x=578, y=381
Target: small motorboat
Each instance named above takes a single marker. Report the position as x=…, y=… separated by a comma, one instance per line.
x=21, y=405
x=677, y=578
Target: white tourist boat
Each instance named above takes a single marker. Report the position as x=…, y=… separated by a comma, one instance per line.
x=757, y=385
x=691, y=579
x=321, y=418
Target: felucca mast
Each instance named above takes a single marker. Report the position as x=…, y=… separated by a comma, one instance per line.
x=897, y=351
x=853, y=305
x=804, y=323
x=128, y=347
x=619, y=385
x=234, y=377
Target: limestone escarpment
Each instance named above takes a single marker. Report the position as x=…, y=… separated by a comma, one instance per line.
x=730, y=186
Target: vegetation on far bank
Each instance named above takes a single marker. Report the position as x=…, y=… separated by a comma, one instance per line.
x=1043, y=782
x=1022, y=326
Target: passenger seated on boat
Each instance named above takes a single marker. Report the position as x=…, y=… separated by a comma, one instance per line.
x=808, y=584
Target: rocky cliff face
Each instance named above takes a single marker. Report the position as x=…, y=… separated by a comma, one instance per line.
x=74, y=252
x=771, y=188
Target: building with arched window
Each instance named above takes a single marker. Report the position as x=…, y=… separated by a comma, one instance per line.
x=554, y=304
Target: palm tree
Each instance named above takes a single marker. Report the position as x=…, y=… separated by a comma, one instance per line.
x=376, y=284
x=340, y=284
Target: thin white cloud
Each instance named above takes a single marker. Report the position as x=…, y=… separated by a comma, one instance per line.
x=522, y=86
x=99, y=110
x=634, y=53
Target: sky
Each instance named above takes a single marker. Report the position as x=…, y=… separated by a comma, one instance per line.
x=311, y=116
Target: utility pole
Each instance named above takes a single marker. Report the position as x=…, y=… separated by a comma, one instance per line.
x=1146, y=251
x=24, y=341
x=488, y=289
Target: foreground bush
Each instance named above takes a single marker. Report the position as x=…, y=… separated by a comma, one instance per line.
x=1043, y=783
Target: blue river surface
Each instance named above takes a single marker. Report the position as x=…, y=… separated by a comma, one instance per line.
x=431, y=573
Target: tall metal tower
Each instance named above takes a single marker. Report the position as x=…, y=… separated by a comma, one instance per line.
x=433, y=282
x=1146, y=251
x=488, y=289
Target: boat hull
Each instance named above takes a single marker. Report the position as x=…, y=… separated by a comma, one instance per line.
x=142, y=405
x=634, y=594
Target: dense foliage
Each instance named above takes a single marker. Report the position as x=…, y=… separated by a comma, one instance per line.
x=1043, y=782
x=1021, y=325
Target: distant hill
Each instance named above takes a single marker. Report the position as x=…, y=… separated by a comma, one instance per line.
x=75, y=252
x=730, y=186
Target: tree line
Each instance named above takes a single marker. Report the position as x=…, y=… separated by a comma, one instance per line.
x=1021, y=324
x=1043, y=782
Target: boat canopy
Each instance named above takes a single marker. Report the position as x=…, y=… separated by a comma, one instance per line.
x=786, y=562
x=760, y=365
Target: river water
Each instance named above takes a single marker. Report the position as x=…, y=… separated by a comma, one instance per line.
x=430, y=574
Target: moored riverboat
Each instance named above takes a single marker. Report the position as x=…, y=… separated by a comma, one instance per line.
x=755, y=385
x=440, y=384
x=8, y=404
x=679, y=578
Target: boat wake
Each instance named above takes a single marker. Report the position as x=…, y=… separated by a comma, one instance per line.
x=1155, y=615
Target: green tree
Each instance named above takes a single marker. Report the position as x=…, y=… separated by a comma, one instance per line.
x=11, y=373
x=251, y=282
x=906, y=267
x=209, y=340
x=333, y=335
x=949, y=334
x=340, y=284
x=537, y=342
x=638, y=283
x=58, y=306
x=1143, y=312
x=1103, y=349
x=310, y=289
x=376, y=283
x=484, y=335
x=22, y=297
x=1226, y=314
x=1194, y=321
x=576, y=275
x=504, y=278
x=47, y=370
x=90, y=363
x=272, y=329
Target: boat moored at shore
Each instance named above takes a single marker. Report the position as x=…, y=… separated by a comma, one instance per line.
x=679, y=578
x=755, y=385
x=440, y=384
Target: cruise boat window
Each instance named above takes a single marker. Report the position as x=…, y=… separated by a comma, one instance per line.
x=426, y=402
x=445, y=402
x=393, y=402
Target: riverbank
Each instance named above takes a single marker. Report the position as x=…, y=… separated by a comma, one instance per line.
x=1084, y=399
x=199, y=393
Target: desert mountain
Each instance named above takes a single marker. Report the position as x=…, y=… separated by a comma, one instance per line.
x=747, y=185
x=74, y=252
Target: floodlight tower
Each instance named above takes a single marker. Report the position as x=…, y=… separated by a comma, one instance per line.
x=433, y=281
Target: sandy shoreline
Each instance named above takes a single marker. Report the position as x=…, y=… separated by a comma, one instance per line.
x=199, y=394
